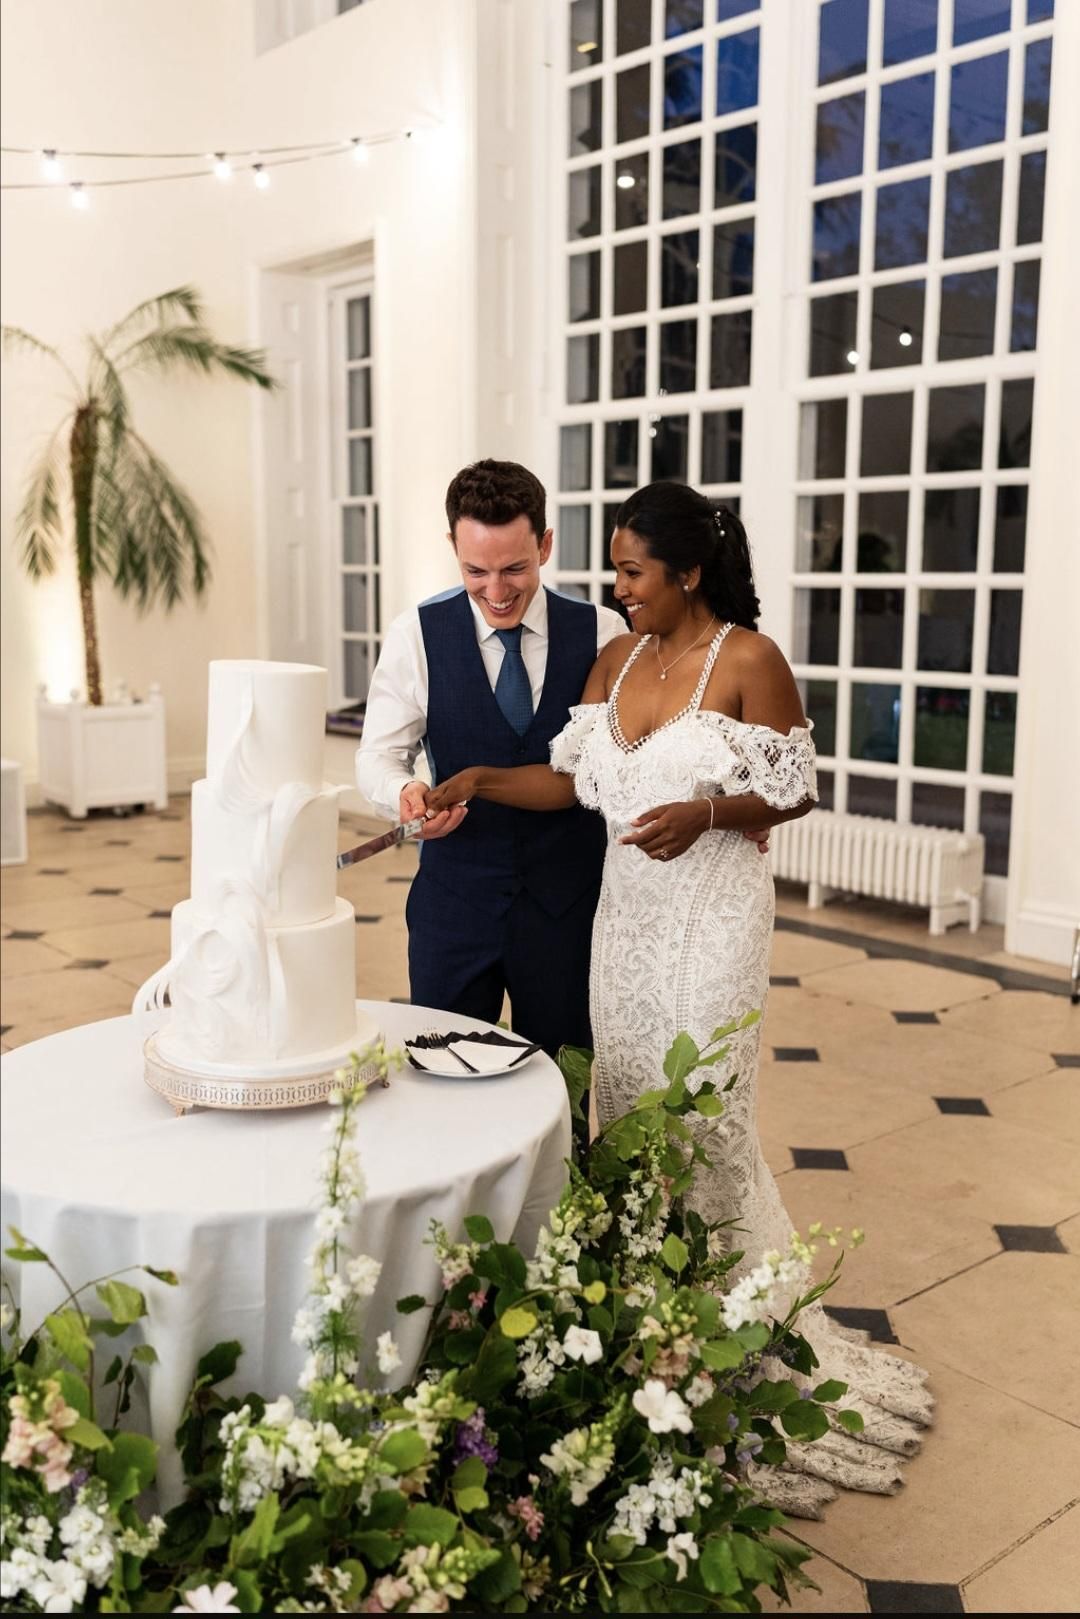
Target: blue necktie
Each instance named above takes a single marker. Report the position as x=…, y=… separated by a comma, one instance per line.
x=512, y=690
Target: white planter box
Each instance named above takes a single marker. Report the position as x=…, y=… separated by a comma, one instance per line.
x=12, y=814
x=101, y=758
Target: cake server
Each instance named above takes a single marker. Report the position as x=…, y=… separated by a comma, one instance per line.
x=385, y=840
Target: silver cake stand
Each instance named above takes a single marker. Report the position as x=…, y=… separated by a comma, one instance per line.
x=185, y=1089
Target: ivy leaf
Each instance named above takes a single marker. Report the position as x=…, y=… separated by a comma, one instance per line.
x=723, y=1354
x=116, y=1366
x=467, y=1485
x=709, y=1107
x=145, y=1354
x=804, y=1420
x=426, y=1524
x=851, y=1420
x=125, y=1304
x=127, y=1467
x=480, y=1228
x=682, y=1058
x=411, y=1303
x=829, y=1391
x=24, y=1250
x=379, y=1548
x=169, y=1277
x=595, y=1293
x=87, y=1434
x=219, y=1363
x=69, y=1334
x=402, y=1451
x=252, y=1546
x=718, y=1570
x=517, y=1322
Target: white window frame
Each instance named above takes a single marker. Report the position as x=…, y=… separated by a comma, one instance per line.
x=339, y=293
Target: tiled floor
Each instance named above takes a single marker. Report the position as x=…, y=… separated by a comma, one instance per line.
x=925, y=1089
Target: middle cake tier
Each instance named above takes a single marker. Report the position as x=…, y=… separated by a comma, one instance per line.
x=286, y=851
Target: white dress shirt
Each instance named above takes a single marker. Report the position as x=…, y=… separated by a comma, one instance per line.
x=395, y=721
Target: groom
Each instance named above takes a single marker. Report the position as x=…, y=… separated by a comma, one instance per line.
x=487, y=674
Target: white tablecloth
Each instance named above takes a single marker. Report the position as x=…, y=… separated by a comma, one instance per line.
x=99, y=1172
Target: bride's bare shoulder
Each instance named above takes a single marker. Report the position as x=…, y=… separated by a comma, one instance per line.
x=753, y=653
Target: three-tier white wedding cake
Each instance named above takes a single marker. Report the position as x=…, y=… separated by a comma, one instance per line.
x=261, y=982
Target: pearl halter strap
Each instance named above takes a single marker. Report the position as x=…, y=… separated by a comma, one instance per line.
x=618, y=735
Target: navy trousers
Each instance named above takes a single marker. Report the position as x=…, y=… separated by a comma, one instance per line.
x=464, y=959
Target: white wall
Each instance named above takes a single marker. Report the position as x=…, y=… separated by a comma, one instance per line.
x=148, y=74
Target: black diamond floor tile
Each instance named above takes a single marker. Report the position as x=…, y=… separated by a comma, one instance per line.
x=4, y=1027
x=783, y=981
x=862, y=1319
x=118, y=843
x=819, y=1158
x=796, y=1054
x=401, y=1000
x=916, y=1017
x=369, y=919
x=1030, y=1239
x=1066, y=1059
x=158, y=915
x=105, y=891
x=53, y=871
x=22, y=933
x=91, y=964
x=73, y=829
x=399, y=879
x=962, y=1104
x=908, y=1596
x=172, y=859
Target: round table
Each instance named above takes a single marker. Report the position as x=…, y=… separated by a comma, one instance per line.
x=98, y=1171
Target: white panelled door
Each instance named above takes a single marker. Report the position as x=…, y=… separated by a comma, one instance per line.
x=293, y=468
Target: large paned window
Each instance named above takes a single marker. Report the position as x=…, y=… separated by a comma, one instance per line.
x=355, y=608
x=657, y=277
x=922, y=253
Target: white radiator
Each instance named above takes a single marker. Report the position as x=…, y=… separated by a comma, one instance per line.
x=12, y=814
x=862, y=854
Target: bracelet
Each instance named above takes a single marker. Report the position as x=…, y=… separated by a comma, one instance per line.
x=712, y=812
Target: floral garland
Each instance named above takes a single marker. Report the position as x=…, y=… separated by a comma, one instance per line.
x=580, y=1436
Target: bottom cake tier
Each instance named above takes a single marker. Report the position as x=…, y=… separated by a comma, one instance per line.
x=302, y=1086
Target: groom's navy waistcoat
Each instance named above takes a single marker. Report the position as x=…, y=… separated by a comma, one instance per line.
x=498, y=851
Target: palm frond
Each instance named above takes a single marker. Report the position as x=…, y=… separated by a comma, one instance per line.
x=16, y=338
x=198, y=349
x=38, y=522
x=147, y=531
x=166, y=306
x=106, y=383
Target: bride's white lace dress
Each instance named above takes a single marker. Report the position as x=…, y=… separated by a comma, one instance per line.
x=685, y=944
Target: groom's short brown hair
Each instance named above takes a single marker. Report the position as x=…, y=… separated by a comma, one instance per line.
x=496, y=492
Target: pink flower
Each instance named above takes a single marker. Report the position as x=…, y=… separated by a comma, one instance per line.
x=19, y=1450
x=532, y=1519
x=478, y=1298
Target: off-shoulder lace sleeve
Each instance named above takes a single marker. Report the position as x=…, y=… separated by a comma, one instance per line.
x=566, y=748
x=756, y=759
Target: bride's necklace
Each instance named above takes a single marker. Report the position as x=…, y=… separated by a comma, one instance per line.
x=665, y=668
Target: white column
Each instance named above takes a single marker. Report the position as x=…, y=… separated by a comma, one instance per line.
x=1044, y=875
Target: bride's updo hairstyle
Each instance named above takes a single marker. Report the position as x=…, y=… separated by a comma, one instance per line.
x=684, y=530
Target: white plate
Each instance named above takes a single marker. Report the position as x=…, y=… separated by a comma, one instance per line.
x=481, y=1060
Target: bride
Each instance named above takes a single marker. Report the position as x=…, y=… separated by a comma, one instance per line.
x=689, y=734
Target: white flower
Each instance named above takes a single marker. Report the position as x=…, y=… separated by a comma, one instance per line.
x=337, y=1293
x=386, y=1352
x=58, y=1587
x=330, y=1221
x=701, y=1389
x=304, y=1326
x=663, y=1408
x=279, y=1413
x=582, y=1344
x=363, y=1273
x=679, y=1548
x=204, y=1600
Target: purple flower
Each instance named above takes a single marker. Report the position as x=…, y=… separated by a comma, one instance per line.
x=474, y=1439
x=732, y=1422
x=79, y=1478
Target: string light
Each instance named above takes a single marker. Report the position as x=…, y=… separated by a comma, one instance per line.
x=852, y=356
x=905, y=338
x=77, y=191
x=360, y=153
x=50, y=165
x=625, y=181
x=262, y=179
x=222, y=167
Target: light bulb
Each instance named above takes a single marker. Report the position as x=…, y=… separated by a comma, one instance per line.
x=262, y=179
x=905, y=338
x=50, y=164
x=79, y=197
x=586, y=46
x=852, y=356
x=222, y=166
x=625, y=181
x=360, y=152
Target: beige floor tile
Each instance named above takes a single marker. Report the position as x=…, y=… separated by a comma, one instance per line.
x=933, y=1059
x=794, y=954
x=73, y=911
x=817, y=1104
x=991, y=1469
x=1069, y=1232
x=29, y=956
x=972, y=1323
x=776, y=1154
x=883, y=919
x=1050, y=1104
x=908, y=986
x=1041, y=1575
x=161, y=896
x=983, y=1168
x=78, y=995
x=1040, y=1021
x=1024, y=964
x=839, y=1591
x=135, y=970
x=29, y=889
x=21, y=1034
x=114, y=940
x=909, y=1245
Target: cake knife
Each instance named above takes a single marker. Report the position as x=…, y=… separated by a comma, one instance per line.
x=385, y=840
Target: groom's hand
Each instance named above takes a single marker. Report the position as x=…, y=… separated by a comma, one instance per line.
x=413, y=803
x=453, y=793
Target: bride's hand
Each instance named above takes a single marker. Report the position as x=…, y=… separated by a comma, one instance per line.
x=670, y=829
x=454, y=790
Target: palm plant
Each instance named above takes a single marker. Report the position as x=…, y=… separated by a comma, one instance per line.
x=133, y=524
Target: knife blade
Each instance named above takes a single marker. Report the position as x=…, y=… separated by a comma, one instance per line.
x=385, y=840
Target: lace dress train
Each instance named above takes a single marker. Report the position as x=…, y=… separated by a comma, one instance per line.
x=686, y=945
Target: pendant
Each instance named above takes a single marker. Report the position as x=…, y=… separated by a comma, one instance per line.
x=663, y=677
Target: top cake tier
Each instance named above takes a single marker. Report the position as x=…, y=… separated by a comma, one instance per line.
x=267, y=720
